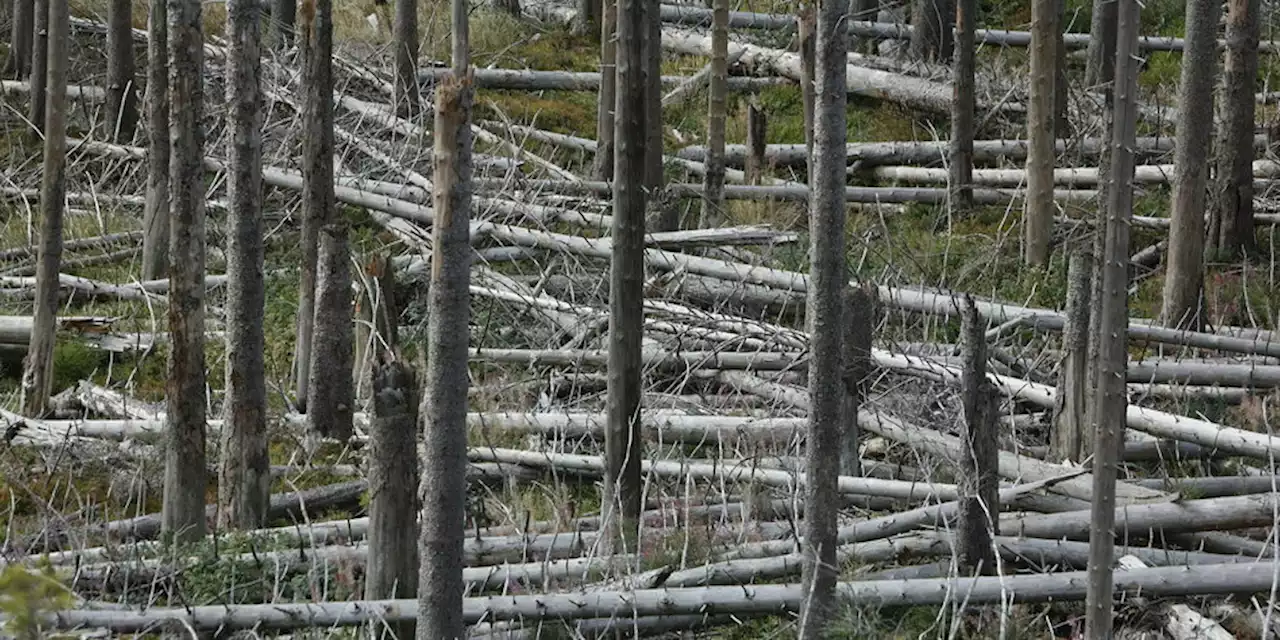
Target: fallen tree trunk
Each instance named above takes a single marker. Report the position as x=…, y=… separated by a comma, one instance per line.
x=1142, y=521
x=527, y=80
x=762, y=599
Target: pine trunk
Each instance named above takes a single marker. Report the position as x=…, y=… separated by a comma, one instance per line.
x=405, y=36
x=283, y=15
x=392, y=571
x=860, y=322
x=19, y=63
x=962, y=106
x=331, y=394
x=155, y=221
x=244, y=482
x=713, y=181
x=1233, y=193
x=122, y=90
x=39, y=65
x=1101, y=56
x=668, y=216
x=587, y=22
x=185, y=477
x=607, y=98
x=1070, y=438
x=1040, y=208
x=933, y=21
x=979, y=512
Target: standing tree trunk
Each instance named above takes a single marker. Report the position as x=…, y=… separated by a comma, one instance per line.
x=587, y=22
x=1183, y=306
x=757, y=132
x=39, y=65
x=1062, y=123
x=1233, y=196
x=979, y=511
x=713, y=181
x=962, y=106
x=444, y=402
x=185, y=477
x=668, y=217
x=317, y=173
x=155, y=220
x=931, y=38
x=19, y=64
x=607, y=97
x=1038, y=220
x=827, y=283
x=122, y=90
x=37, y=374
x=623, y=447
x=864, y=10
x=244, y=479
x=859, y=323
x=807, y=25
x=392, y=571
x=1070, y=439
x=283, y=13
x=1101, y=55
x=405, y=36
x=1111, y=401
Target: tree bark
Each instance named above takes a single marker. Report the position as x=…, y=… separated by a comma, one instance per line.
x=807, y=24
x=1062, y=125
x=330, y=392
x=39, y=65
x=185, y=476
x=1111, y=400
x=932, y=36
x=757, y=130
x=859, y=323
x=122, y=90
x=283, y=14
x=825, y=310
x=587, y=22
x=1184, y=274
x=37, y=374
x=1101, y=56
x=668, y=216
x=155, y=222
x=392, y=570
x=623, y=448
x=1038, y=220
x=244, y=481
x=19, y=64
x=444, y=401
x=963, y=101
x=405, y=36
x=316, y=31
x=713, y=181
x=1233, y=193
x=978, y=518
x=1070, y=439
x=607, y=98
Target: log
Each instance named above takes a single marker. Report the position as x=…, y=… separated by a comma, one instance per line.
x=1137, y=521
x=764, y=599
x=1069, y=176
x=1183, y=622
x=526, y=80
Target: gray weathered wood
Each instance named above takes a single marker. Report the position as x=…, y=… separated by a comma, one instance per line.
x=960, y=152
x=1231, y=221
x=39, y=68
x=1070, y=438
x=405, y=36
x=931, y=35
x=392, y=570
x=713, y=181
x=155, y=221
x=859, y=325
x=1037, y=222
x=606, y=102
x=122, y=89
x=18, y=64
x=330, y=392
x=757, y=125
x=979, y=460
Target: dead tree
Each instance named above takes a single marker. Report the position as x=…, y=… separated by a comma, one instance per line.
x=392, y=571
x=978, y=517
x=283, y=15
x=962, y=106
x=864, y=11
x=37, y=373
x=1184, y=275
x=1101, y=56
x=1111, y=400
x=623, y=446
x=1070, y=437
x=933, y=21
x=1041, y=130
x=376, y=327
x=316, y=31
x=1231, y=217
x=18, y=65
x=444, y=401
x=713, y=181
x=39, y=66
x=244, y=480
x=807, y=24
x=405, y=36
x=155, y=220
x=859, y=324
x=603, y=169
x=587, y=22
x=667, y=217
x=122, y=94
x=185, y=477
x=825, y=316
x=757, y=126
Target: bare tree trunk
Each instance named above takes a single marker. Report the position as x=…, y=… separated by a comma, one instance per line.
x=607, y=97
x=316, y=31
x=1062, y=86
x=864, y=10
x=155, y=221
x=668, y=217
x=1111, y=401
x=376, y=331
x=623, y=446
x=713, y=181
x=392, y=571
x=1040, y=209
x=587, y=21
x=962, y=106
x=1101, y=55
x=827, y=282
x=1183, y=306
x=330, y=392
x=807, y=25
x=757, y=126
x=859, y=323
x=185, y=477
x=405, y=36
x=39, y=65
x=1070, y=439
x=1233, y=197
x=244, y=481
x=122, y=90
x=19, y=63
x=37, y=374
x=283, y=14
x=933, y=22
x=978, y=518
x=444, y=402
